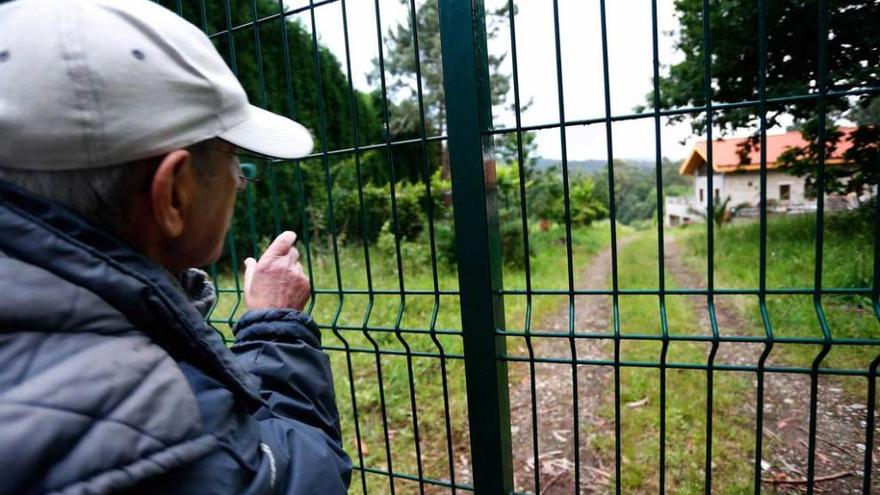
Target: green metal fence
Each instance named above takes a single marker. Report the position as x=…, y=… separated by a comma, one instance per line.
x=421, y=362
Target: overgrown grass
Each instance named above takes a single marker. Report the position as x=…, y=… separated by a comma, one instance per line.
x=381, y=315
x=685, y=394
x=847, y=262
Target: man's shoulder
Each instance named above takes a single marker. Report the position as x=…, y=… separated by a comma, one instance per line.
x=78, y=406
x=83, y=393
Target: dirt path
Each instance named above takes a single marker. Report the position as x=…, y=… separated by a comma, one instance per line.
x=554, y=398
x=841, y=417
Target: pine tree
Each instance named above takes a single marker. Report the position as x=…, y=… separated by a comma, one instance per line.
x=400, y=64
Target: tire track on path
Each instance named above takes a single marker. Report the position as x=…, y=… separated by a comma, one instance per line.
x=554, y=396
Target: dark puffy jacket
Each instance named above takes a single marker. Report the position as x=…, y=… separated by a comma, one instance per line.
x=111, y=382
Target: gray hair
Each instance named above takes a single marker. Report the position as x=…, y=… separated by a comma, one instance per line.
x=101, y=195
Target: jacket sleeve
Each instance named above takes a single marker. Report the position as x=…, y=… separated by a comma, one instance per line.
x=299, y=424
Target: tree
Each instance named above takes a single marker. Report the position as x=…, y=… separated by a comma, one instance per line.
x=401, y=70
x=507, y=149
x=852, y=45
x=635, y=188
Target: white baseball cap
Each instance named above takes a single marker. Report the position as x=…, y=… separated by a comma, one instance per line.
x=90, y=83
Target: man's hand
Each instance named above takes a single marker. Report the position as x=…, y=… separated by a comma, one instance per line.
x=277, y=280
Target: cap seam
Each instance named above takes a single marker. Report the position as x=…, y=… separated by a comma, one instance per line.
x=67, y=50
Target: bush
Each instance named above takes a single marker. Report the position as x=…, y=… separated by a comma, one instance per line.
x=444, y=237
x=511, y=240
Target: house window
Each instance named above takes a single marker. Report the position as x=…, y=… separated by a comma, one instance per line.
x=784, y=192
x=701, y=195
x=717, y=195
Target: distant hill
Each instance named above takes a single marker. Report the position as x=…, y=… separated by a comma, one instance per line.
x=588, y=166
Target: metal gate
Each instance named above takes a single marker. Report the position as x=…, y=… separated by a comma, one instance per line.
x=423, y=350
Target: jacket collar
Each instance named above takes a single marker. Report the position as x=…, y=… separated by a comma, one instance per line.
x=41, y=233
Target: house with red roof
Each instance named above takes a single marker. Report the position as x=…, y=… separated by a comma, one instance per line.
x=736, y=175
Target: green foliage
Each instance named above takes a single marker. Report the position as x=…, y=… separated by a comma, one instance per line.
x=721, y=214
x=511, y=241
x=847, y=262
x=636, y=189
x=545, y=192
x=792, y=64
x=585, y=207
x=507, y=149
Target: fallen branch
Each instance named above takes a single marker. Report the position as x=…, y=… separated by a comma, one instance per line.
x=552, y=482
x=842, y=474
x=600, y=472
x=638, y=403
x=827, y=442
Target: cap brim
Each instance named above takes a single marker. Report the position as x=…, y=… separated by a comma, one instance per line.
x=268, y=134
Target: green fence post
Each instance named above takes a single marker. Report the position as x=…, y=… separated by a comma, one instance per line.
x=474, y=197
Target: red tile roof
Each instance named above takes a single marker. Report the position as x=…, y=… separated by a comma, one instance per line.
x=726, y=157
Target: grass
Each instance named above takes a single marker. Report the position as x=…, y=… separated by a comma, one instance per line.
x=847, y=262
x=363, y=365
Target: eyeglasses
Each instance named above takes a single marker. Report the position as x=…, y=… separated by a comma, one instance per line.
x=247, y=174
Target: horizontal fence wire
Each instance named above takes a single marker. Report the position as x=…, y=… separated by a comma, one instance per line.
x=391, y=310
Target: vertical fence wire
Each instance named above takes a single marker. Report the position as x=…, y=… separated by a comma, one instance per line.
x=822, y=74
x=762, y=250
x=612, y=213
x=872, y=372
x=527, y=266
x=359, y=441
x=710, y=242
x=231, y=59
x=566, y=205
x=328, y=183
x=264, y=102
x=390, y=161
x=661, y=256
x=432, y=326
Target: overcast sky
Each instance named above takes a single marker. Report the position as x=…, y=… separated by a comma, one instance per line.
x=630, y=67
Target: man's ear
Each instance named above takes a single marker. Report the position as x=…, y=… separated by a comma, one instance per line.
x=172, y=192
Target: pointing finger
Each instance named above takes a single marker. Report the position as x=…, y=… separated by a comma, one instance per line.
x=281, y=245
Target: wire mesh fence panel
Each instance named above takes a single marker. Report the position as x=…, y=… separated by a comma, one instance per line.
x=520, y=292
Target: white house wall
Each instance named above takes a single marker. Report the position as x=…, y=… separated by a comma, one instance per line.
x=744, y=187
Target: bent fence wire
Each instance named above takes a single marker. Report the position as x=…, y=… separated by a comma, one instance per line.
x=428, y=353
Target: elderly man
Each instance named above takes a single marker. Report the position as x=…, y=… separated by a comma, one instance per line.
x=119, y=124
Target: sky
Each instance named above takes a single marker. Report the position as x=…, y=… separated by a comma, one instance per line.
x=629, y=29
